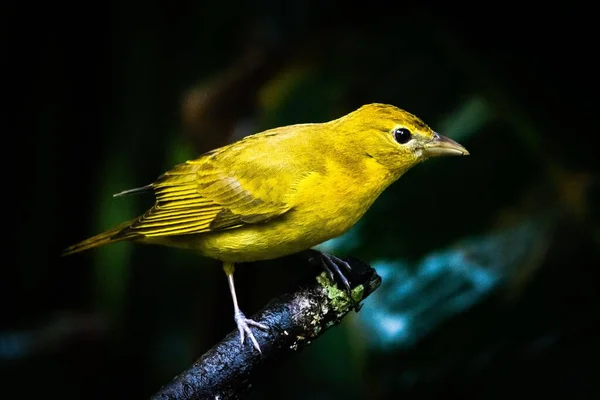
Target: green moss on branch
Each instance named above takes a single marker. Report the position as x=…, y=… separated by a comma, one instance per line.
x=295, y=320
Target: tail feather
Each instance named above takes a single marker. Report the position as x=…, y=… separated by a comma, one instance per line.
x=114, y=235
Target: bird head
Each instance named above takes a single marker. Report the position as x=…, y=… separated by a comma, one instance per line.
x=395, y=138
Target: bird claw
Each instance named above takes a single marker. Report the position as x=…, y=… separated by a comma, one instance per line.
x=244, y=324
x=332, y=264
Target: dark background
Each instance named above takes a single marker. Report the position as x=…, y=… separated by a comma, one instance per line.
x=104, y=97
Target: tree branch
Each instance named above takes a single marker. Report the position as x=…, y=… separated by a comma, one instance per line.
x=295, y=320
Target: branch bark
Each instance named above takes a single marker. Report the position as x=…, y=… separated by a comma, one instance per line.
x=295, y=320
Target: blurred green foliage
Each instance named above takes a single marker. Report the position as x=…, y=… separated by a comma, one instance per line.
x=112, y=98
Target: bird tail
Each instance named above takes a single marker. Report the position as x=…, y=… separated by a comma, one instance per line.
x=114, y=235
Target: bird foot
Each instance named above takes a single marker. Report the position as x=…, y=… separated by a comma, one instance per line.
x=332, y=265
x=244, y=324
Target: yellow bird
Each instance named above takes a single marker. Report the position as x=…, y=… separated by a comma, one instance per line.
x=281, y=191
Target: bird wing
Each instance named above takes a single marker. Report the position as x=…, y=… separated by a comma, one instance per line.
x=200, y=196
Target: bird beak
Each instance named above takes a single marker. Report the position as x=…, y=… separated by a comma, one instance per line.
x=443, y=146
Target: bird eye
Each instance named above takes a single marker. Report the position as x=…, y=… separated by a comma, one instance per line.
x=402, y=135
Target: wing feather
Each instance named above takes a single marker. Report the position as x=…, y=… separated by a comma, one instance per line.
x=198, y=196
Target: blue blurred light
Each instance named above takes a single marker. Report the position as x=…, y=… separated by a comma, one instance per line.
x=414, y=299
x=15, y=345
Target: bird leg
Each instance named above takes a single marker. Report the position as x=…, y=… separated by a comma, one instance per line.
x=243, y=323
x=332, y=264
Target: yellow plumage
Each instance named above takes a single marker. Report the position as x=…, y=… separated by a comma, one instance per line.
x=283, y=190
